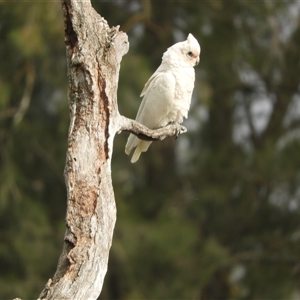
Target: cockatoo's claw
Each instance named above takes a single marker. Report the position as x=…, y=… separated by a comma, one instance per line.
x=179, y=129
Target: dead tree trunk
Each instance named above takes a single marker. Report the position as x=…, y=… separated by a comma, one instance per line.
x=94, y=52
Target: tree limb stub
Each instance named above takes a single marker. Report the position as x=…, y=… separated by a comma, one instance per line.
x=144, y=133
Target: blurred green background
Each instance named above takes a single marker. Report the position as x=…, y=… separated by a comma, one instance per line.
x=212, y=215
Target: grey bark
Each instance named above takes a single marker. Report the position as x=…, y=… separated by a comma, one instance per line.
x=94, y=52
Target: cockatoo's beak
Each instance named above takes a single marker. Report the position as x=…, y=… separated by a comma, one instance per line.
x=197, y=61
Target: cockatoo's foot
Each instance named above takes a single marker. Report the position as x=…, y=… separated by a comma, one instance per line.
x=179, y=129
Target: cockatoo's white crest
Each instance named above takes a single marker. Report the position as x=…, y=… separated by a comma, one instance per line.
x=188, y=53
x=167, y=94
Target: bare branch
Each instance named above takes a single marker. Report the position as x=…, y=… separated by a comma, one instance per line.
x=144, y=133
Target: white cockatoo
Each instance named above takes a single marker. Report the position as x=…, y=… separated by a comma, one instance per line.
x=167, y=94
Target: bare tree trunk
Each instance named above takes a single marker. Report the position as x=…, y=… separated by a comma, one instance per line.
x=94, y=52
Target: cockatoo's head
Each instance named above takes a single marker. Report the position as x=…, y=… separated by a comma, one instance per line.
x=183, y=54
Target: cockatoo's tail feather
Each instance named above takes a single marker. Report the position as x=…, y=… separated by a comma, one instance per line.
x=141, y=147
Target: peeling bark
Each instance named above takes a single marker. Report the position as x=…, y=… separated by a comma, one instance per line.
x=94, y=52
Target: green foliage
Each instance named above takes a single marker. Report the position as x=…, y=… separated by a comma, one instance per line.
x=212, y=215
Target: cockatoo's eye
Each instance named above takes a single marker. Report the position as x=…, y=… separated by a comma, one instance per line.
x=190, y=54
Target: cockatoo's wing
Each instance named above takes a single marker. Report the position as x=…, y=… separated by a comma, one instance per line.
x=158, y=94
x=151, y=81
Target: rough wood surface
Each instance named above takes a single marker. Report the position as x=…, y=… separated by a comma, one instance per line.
x=94, y=52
